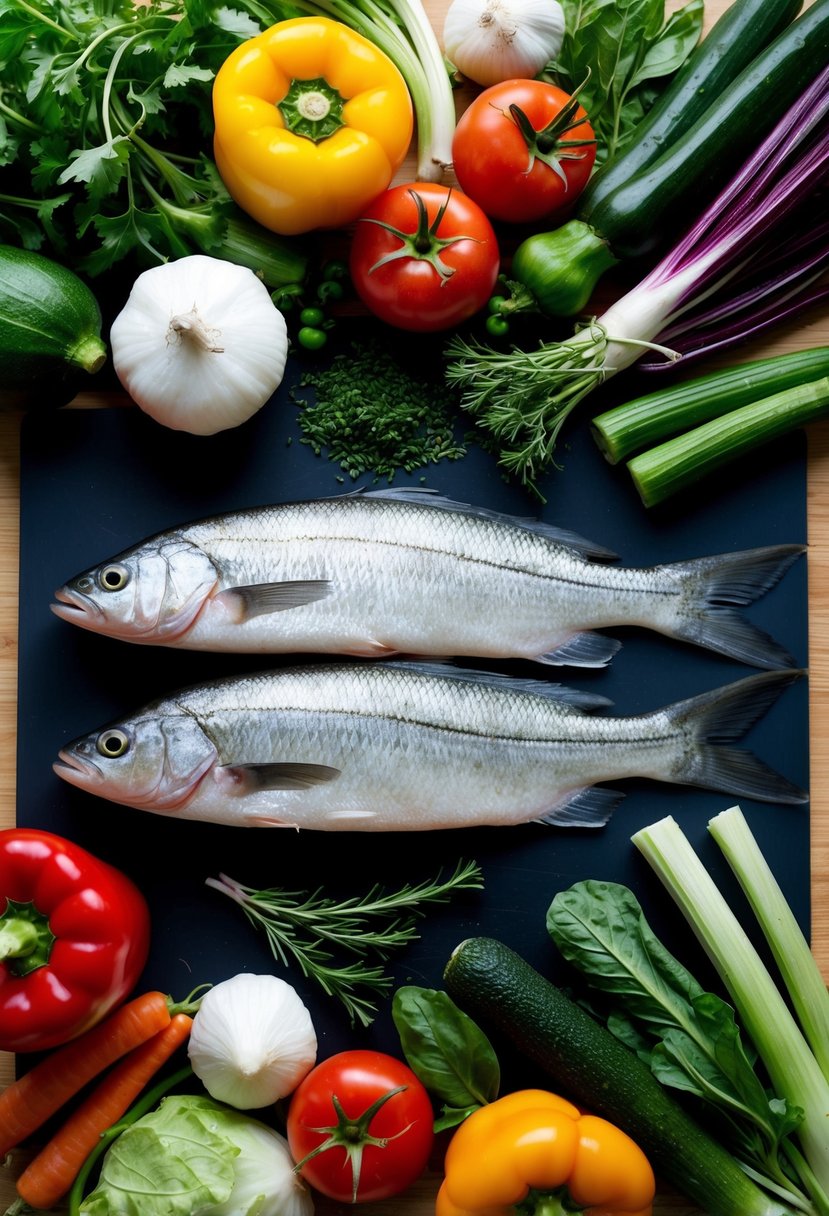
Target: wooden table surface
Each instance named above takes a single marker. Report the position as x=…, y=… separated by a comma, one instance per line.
x=811, y=331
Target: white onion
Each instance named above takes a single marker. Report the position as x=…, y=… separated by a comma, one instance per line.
x=252, y=1041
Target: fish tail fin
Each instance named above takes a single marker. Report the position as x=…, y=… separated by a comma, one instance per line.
x=713, y=590
x=720, y=716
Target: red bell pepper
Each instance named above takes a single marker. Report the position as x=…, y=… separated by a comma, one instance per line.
x=74, y=938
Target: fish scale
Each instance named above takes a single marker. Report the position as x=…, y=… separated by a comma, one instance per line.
x=408, y=572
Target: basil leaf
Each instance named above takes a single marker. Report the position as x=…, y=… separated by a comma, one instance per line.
x=619, y=54
x=447, y=1050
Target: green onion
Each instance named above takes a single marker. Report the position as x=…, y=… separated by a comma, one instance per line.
x=648, y=420
x=800, y=972
x=677, y=463
x=792, y=1068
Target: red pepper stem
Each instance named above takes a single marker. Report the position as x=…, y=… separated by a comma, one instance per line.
x=17, y=938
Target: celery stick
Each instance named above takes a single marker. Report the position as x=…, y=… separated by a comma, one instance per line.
x=650, y=419
x=663, y=470
x=800, y=972
x=793, y=1070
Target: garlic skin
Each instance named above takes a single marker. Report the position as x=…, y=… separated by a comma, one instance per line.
x=199, y=344
x=252, y=1041
x=489, y=41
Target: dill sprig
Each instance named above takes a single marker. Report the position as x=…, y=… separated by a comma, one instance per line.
x=311, y=928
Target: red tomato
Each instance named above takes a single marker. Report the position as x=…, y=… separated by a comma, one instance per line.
x=435, y=263
x=525, y=164
x=376, y=1119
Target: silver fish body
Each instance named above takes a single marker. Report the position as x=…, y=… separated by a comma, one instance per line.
x=400, y=746
x=407, y=572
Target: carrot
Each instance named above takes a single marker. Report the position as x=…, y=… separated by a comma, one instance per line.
x=50, y=1175
x=28, y=1102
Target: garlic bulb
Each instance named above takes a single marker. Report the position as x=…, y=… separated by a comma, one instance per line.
x=252, y=1041
x=199, y=344
x=494, y=40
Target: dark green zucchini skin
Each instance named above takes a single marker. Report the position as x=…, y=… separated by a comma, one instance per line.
x=637, y=216
x=50, y=331
x=594, y=1069
x=742, y=32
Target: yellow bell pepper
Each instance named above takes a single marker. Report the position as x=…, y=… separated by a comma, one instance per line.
x=311, y=123
x=536, y=1149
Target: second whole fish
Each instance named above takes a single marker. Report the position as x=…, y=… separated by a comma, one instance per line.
x=374, y=574
x=413, y=746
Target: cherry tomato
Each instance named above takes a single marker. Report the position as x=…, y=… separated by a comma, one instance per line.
x=424, y=257
x=521, y=152
x=375, y=1118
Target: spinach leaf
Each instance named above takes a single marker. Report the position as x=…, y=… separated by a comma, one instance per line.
x=619, y=54
x=695, y=1043
x=448, y=1052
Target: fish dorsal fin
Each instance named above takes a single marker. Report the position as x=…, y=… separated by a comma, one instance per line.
x=261, y=599
x=587, y=808
x=426, y=496
x=576, y=698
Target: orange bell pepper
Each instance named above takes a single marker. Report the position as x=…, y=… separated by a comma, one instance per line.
x=311, y=123
x=536, y=1149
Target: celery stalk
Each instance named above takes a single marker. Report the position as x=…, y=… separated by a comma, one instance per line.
x=793, y=1070
x=645, y=421
x=663, y=470
x=801, y=974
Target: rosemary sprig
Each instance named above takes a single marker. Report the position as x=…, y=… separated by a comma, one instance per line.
x=311, y=928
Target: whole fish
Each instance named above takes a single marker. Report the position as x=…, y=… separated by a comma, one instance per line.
x=379, y=573
x=411, y=746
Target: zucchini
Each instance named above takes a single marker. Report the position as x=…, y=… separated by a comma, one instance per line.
x=635, y=217
x=741, y=33
x=490, y=981
x=50, y=331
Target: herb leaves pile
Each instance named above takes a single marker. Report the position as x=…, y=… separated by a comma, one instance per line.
x=371, y=413
x=619, y=54
x=104, y=115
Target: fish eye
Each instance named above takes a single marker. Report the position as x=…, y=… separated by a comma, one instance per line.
x=112, y=743
x=113, y=578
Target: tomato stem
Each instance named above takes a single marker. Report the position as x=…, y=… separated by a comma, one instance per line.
x=423, y=244
x=352, y=1135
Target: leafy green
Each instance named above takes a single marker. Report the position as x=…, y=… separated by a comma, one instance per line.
x=448, y=1052
x=192, y=1156
x=105, y=111
x=176, y=1160
x=619, y=55
x=689, y=1036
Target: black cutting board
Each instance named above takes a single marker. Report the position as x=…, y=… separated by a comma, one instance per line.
x=96, y=481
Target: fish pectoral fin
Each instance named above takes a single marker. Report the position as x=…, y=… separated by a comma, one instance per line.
x=289, y=775
x=369, y=649
x=261, y=599
x=582, y=650
x=585, y=808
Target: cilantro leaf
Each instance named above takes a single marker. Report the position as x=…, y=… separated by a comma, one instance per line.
x=179, y=74
x=101, y=168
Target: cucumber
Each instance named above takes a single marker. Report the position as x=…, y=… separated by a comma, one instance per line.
x=644, y=208
x=50, y=331
x=744, y=29
x=592, y=1067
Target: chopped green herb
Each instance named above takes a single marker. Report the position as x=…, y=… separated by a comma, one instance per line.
x=372, y=414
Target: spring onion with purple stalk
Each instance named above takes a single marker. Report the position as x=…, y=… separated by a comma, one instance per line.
x=522, y=398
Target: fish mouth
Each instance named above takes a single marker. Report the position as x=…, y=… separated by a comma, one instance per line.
x=76, y=608
x=76, y=770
